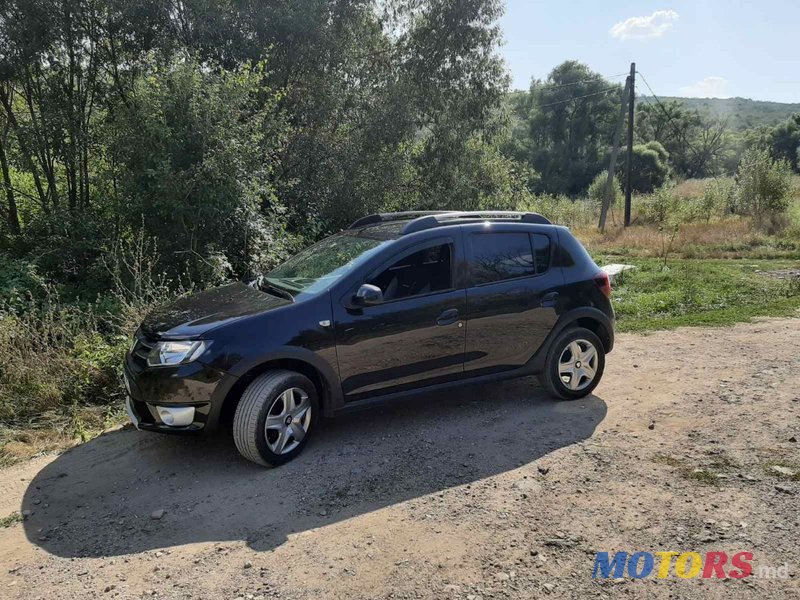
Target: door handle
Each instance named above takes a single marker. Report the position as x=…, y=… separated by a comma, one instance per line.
x=549, y=300
x=447, y=317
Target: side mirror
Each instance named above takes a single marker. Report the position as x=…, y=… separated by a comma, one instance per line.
x=368, y=295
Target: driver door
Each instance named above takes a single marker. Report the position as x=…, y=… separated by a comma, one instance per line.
x=416, y=336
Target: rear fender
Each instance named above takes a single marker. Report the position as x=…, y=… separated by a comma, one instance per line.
x=570, y=319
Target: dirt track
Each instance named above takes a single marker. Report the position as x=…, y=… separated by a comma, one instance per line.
x=490, y=492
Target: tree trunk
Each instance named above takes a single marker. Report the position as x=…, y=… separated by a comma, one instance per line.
x=5, y=100
x=11, y=201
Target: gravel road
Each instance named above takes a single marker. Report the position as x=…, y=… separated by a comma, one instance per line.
x=492, y=491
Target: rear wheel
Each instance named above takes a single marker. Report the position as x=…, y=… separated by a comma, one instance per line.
x=275, y=416
x=574, y=364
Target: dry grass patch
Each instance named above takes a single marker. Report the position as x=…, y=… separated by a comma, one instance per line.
x=692, y=188
x=56, y=431
x=732, y=238
x=786, y=464
x=708, y=475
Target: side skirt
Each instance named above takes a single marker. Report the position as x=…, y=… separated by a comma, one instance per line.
x=373, y=401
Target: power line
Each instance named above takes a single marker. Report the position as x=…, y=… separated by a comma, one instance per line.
x=561, y=85
x=605, y=91
x=678, y=132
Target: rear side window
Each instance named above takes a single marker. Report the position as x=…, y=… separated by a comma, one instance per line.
x=541, y=252
x=501, y=256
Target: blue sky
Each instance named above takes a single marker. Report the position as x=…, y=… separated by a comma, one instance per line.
x=705, y=48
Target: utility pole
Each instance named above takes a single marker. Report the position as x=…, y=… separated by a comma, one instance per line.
x=612, y=164
x=632, y=98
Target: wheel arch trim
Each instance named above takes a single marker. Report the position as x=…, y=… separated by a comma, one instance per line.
x=584, y=315
x=301, y=360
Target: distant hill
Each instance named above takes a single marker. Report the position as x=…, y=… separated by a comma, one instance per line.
x=742, y=113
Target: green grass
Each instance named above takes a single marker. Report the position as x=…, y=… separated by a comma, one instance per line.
x=701, y=292
x=9, y=520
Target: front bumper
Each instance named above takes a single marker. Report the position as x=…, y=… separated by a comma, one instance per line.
x=192, y=385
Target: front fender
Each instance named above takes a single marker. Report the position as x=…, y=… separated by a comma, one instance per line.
x=322, y=364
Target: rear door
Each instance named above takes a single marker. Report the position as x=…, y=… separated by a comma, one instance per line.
x=416, y=336
x=512, y=294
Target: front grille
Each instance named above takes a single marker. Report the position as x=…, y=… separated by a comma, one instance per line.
x=141, y=348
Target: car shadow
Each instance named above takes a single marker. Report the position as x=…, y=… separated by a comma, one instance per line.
x=100, y=498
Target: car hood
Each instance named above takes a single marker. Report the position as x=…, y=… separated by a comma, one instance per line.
x=193, y=315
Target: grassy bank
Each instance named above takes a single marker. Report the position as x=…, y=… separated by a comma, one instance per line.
x=703, y=292
x=731, y=239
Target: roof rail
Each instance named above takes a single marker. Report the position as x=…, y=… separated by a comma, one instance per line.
x=449, y=218
x=397, y=216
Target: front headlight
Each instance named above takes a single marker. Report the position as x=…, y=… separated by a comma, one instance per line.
x=166, y=354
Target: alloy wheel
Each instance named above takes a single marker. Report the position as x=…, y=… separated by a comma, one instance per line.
x=288, y=420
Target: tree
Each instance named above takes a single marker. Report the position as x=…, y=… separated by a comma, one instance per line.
x=762, y=187
x=598, y=188
x=199, y=147
x=362, y=105
x=649, y=167
x=564, y=126
x=696, y=145
x=10, y=209
x=784, y=141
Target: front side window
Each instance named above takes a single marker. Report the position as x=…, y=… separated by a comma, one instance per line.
x=501, y=256
x=422, y=272
x=319, y=266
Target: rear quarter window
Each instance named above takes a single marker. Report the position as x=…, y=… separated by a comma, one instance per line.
x=541, y=252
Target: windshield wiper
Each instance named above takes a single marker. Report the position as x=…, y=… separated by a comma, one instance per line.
x=262, y=284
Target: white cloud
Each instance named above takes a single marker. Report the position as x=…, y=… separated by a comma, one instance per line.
x=645, y=28
x=710, y=87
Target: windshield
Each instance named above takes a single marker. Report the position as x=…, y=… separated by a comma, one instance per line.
x=320, y=265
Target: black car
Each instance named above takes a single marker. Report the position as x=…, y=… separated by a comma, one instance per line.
x=396, y=303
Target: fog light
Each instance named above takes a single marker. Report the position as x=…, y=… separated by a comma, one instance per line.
x=176, y=416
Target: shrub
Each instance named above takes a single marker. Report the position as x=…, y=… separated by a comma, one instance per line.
x=597, y=190
x=561, y=210
x=197, y=152
x=762, y=187
x=52, y=356
x=60, y=362
x=716, y=201
x=663, y=209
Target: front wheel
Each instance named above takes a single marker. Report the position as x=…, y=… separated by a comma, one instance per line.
x=574, y=364
x=275, y=416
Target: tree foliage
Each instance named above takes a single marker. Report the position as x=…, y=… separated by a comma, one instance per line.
x=599, y=188
x=649, y=167
x=697, y=145
x=762, y=187
x=563, y=127
x=227, y=130
x=784, y=141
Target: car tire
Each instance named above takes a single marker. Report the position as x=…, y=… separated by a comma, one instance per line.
x=561, y=377
x=270, y=417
